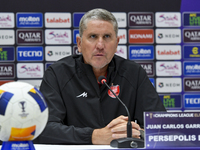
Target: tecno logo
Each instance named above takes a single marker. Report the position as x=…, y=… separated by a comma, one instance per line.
x=192, y=100
x=30, y=53
x=141, y=36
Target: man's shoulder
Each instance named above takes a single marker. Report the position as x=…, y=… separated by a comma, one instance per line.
x=68, y=61
x=123, y=63
x=128, y=68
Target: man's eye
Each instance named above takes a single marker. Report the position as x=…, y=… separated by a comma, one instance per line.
x=92, y=36
x=107, y=36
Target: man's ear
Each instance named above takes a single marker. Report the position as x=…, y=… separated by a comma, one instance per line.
x=78, y=41
x=118, y=38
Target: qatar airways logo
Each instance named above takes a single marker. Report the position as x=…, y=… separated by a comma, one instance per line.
x=58, y=36
x=191, y=84
x=148, y=67
x=168, y=19
x=58, y=20
x=7, y=20
x=29, y=37
x=140, y=19
x=169, y=68
x=7, y=70
x=168, y=52
x=30, y=70
x=191, y=35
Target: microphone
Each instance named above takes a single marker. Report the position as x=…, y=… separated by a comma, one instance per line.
x=129, y=141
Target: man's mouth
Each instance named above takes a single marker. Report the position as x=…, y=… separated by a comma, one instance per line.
x=99, y=54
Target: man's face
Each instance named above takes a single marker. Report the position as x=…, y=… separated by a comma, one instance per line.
x=98, y=44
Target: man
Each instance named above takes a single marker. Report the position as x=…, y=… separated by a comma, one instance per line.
x=81, y=111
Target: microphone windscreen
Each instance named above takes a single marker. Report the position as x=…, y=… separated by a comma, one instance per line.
x=101, y=79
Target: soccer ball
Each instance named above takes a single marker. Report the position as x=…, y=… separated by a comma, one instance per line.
x=23, y=112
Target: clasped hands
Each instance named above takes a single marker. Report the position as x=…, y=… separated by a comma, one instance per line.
x=116, y=129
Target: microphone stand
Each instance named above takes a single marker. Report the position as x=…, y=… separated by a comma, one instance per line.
x=129, y=141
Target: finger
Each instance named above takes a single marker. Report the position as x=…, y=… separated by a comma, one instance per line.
x=117, y=136
x=135, y=125
x=120, y=127
x=118, y=120
x=120, y=134
x=135, y=133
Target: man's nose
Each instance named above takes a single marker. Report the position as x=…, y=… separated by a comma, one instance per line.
x=100, y=43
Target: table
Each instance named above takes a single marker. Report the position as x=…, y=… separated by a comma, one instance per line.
x=99, y=147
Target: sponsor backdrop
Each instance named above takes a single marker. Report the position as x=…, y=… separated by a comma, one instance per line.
x=162, y=36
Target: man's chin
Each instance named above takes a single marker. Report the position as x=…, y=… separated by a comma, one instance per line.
x=97, y=66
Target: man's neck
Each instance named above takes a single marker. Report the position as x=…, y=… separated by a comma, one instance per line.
x=100, y=72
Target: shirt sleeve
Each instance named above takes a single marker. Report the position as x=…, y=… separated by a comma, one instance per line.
x=56, y=131
x=147, y=97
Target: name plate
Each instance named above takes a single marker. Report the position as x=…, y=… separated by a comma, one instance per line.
x=172, y=129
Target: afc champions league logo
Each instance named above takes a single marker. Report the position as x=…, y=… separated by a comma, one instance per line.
x=22, y=105
x=116, y=90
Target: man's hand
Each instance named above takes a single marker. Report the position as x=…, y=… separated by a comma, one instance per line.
x=115, y=129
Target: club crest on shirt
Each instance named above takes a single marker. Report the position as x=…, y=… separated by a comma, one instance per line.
x=115, y=89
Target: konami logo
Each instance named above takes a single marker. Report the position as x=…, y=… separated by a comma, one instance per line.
x=141, y=36
x=58, y=20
